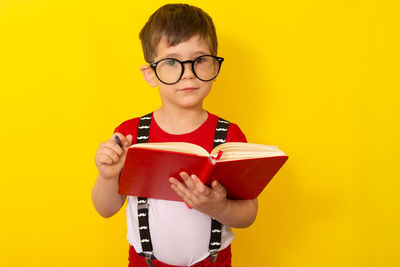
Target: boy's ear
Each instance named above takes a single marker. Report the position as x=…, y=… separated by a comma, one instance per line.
x=149, y=75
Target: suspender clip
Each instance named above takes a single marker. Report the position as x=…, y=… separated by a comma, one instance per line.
x=147, y=258
x=142, y=206
x=213, y=255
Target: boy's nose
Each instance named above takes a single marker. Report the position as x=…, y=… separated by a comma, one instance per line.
x=187, y=71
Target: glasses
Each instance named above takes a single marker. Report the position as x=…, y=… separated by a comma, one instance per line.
x=170, y=70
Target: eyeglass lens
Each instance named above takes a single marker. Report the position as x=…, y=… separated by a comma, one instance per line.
x=170, y=70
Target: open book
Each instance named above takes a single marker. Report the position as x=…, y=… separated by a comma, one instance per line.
x=244, y=169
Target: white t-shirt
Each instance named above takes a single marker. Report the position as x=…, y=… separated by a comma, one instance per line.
x=180, y=235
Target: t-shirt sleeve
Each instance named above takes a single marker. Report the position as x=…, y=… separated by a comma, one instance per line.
x=235, y=134
x=128, y=127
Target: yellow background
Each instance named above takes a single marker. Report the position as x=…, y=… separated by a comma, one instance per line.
x=318, y=78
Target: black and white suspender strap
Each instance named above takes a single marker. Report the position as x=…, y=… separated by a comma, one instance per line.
x=221, y=132
x=144, y=129
x=216, y=228
x=143, y=206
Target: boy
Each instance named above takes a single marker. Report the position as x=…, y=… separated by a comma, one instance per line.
x=180, y=44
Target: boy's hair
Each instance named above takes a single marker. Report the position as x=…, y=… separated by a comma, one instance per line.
x=177, y=23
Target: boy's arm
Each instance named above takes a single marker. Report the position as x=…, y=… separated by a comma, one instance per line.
x=110, y=158
x=213, y=201
x=105, y=197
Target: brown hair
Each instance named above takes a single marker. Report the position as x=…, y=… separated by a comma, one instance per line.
x=177, y=23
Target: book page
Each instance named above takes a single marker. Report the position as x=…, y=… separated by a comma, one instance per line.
x=238, y=150
x=181, y=147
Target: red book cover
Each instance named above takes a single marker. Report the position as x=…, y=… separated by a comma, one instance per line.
x=147, y=170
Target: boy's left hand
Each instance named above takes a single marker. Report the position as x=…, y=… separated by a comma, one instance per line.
x=199, y=196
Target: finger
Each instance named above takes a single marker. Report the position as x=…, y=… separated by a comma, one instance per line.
x=177, y=185
x=125, y=141
x=113, y=146
x=111, y=153
x=104, y=159
x=183, y=190
x=200, y=187
x=117, y=138
x=179, y=188
x=129, y=137
x=182, y=195
x=218, y=188
x=188, y=181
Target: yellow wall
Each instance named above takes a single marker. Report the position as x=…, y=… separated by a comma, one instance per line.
x=318, y=78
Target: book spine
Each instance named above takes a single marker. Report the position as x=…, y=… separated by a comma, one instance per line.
x=207, y=170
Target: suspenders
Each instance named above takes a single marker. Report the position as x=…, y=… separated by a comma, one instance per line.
x=216, y=228
x=143, y=206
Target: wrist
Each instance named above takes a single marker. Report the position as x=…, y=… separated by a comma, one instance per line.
x=107, y=178
x=222, y=209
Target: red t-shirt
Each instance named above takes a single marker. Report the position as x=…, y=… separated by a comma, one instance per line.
x=202, y=136
x=171, y=222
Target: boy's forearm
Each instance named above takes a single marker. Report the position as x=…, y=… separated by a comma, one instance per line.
x=238, y=213
x=105, y=197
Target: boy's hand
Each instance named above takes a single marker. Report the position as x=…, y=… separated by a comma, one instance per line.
x=110, y=157
x=199, y=196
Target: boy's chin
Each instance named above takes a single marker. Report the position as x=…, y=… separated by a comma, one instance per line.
x=196, y=105
x=189, y=104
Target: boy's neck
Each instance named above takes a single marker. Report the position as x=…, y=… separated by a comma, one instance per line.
x=180, y=121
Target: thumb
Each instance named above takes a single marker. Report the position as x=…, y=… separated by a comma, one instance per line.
x=129, y=138
x=126, y=144
x=218, y=188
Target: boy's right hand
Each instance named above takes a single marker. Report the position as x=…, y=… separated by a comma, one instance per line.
x=110, y=157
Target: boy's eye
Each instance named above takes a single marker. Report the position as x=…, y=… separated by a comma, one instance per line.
x=201, y=60
x=171, y=62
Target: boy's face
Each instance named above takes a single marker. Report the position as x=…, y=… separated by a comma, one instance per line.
x=189, y=91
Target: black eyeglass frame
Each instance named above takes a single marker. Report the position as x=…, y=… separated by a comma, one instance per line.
x=154, y=67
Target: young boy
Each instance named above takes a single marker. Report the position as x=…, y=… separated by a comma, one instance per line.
x=180, y=44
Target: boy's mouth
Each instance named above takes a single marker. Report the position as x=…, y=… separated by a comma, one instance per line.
x=188, y=89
